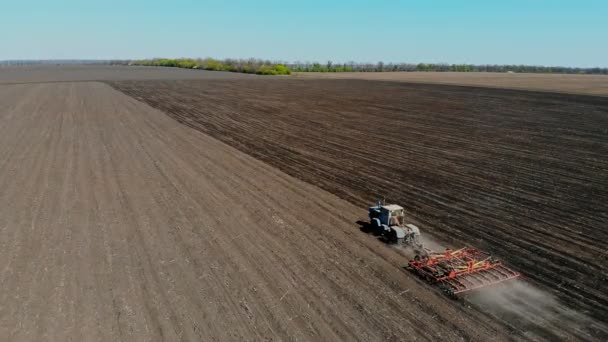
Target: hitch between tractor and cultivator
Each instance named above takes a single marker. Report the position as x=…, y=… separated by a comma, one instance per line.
x=460, y=271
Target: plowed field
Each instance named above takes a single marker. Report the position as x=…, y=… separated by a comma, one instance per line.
x=521, y=174
x=563, y=83
x=119, y=224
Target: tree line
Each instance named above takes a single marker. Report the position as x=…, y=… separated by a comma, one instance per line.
x=248, y=66
x=439, y=67
x=267, y=67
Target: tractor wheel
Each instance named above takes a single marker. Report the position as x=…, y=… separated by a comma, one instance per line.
x=392, y=236
x=375, y=226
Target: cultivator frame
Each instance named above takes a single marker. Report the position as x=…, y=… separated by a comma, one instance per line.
x=460, y=271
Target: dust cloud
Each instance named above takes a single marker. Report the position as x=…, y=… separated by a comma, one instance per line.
x=432, y=244
x=428, y=245
x=536, y=313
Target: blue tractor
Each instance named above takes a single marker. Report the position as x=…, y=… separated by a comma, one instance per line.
x=388, y=221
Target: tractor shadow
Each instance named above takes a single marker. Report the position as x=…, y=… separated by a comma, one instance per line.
x=366, y=228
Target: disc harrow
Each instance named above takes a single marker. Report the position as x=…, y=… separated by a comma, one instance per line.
x=460, y=271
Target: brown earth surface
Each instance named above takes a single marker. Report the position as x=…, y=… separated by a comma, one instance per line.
x=118, y=223
x=580, y=84
x=521, y=174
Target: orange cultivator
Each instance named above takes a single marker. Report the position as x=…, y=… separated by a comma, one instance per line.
x=462, y=270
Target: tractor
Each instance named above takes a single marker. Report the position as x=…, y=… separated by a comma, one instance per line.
x=388, y=221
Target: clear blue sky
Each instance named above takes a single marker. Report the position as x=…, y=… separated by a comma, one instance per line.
x=541, y=32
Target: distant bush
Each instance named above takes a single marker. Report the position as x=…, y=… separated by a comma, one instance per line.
x=249, y=66
x=277, y=69
x=188, y=64
x=282, y=70
x=213, y=65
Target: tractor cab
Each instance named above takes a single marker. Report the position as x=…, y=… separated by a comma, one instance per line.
x=389, y=215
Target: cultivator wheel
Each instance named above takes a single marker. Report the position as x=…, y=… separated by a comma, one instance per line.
x=447, y=290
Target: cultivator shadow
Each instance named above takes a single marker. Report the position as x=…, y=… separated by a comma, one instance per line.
x=457, y=272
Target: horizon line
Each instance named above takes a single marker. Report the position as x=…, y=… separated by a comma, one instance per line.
x=71, y=60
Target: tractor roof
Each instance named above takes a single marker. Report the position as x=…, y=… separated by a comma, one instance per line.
x=391, y=207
